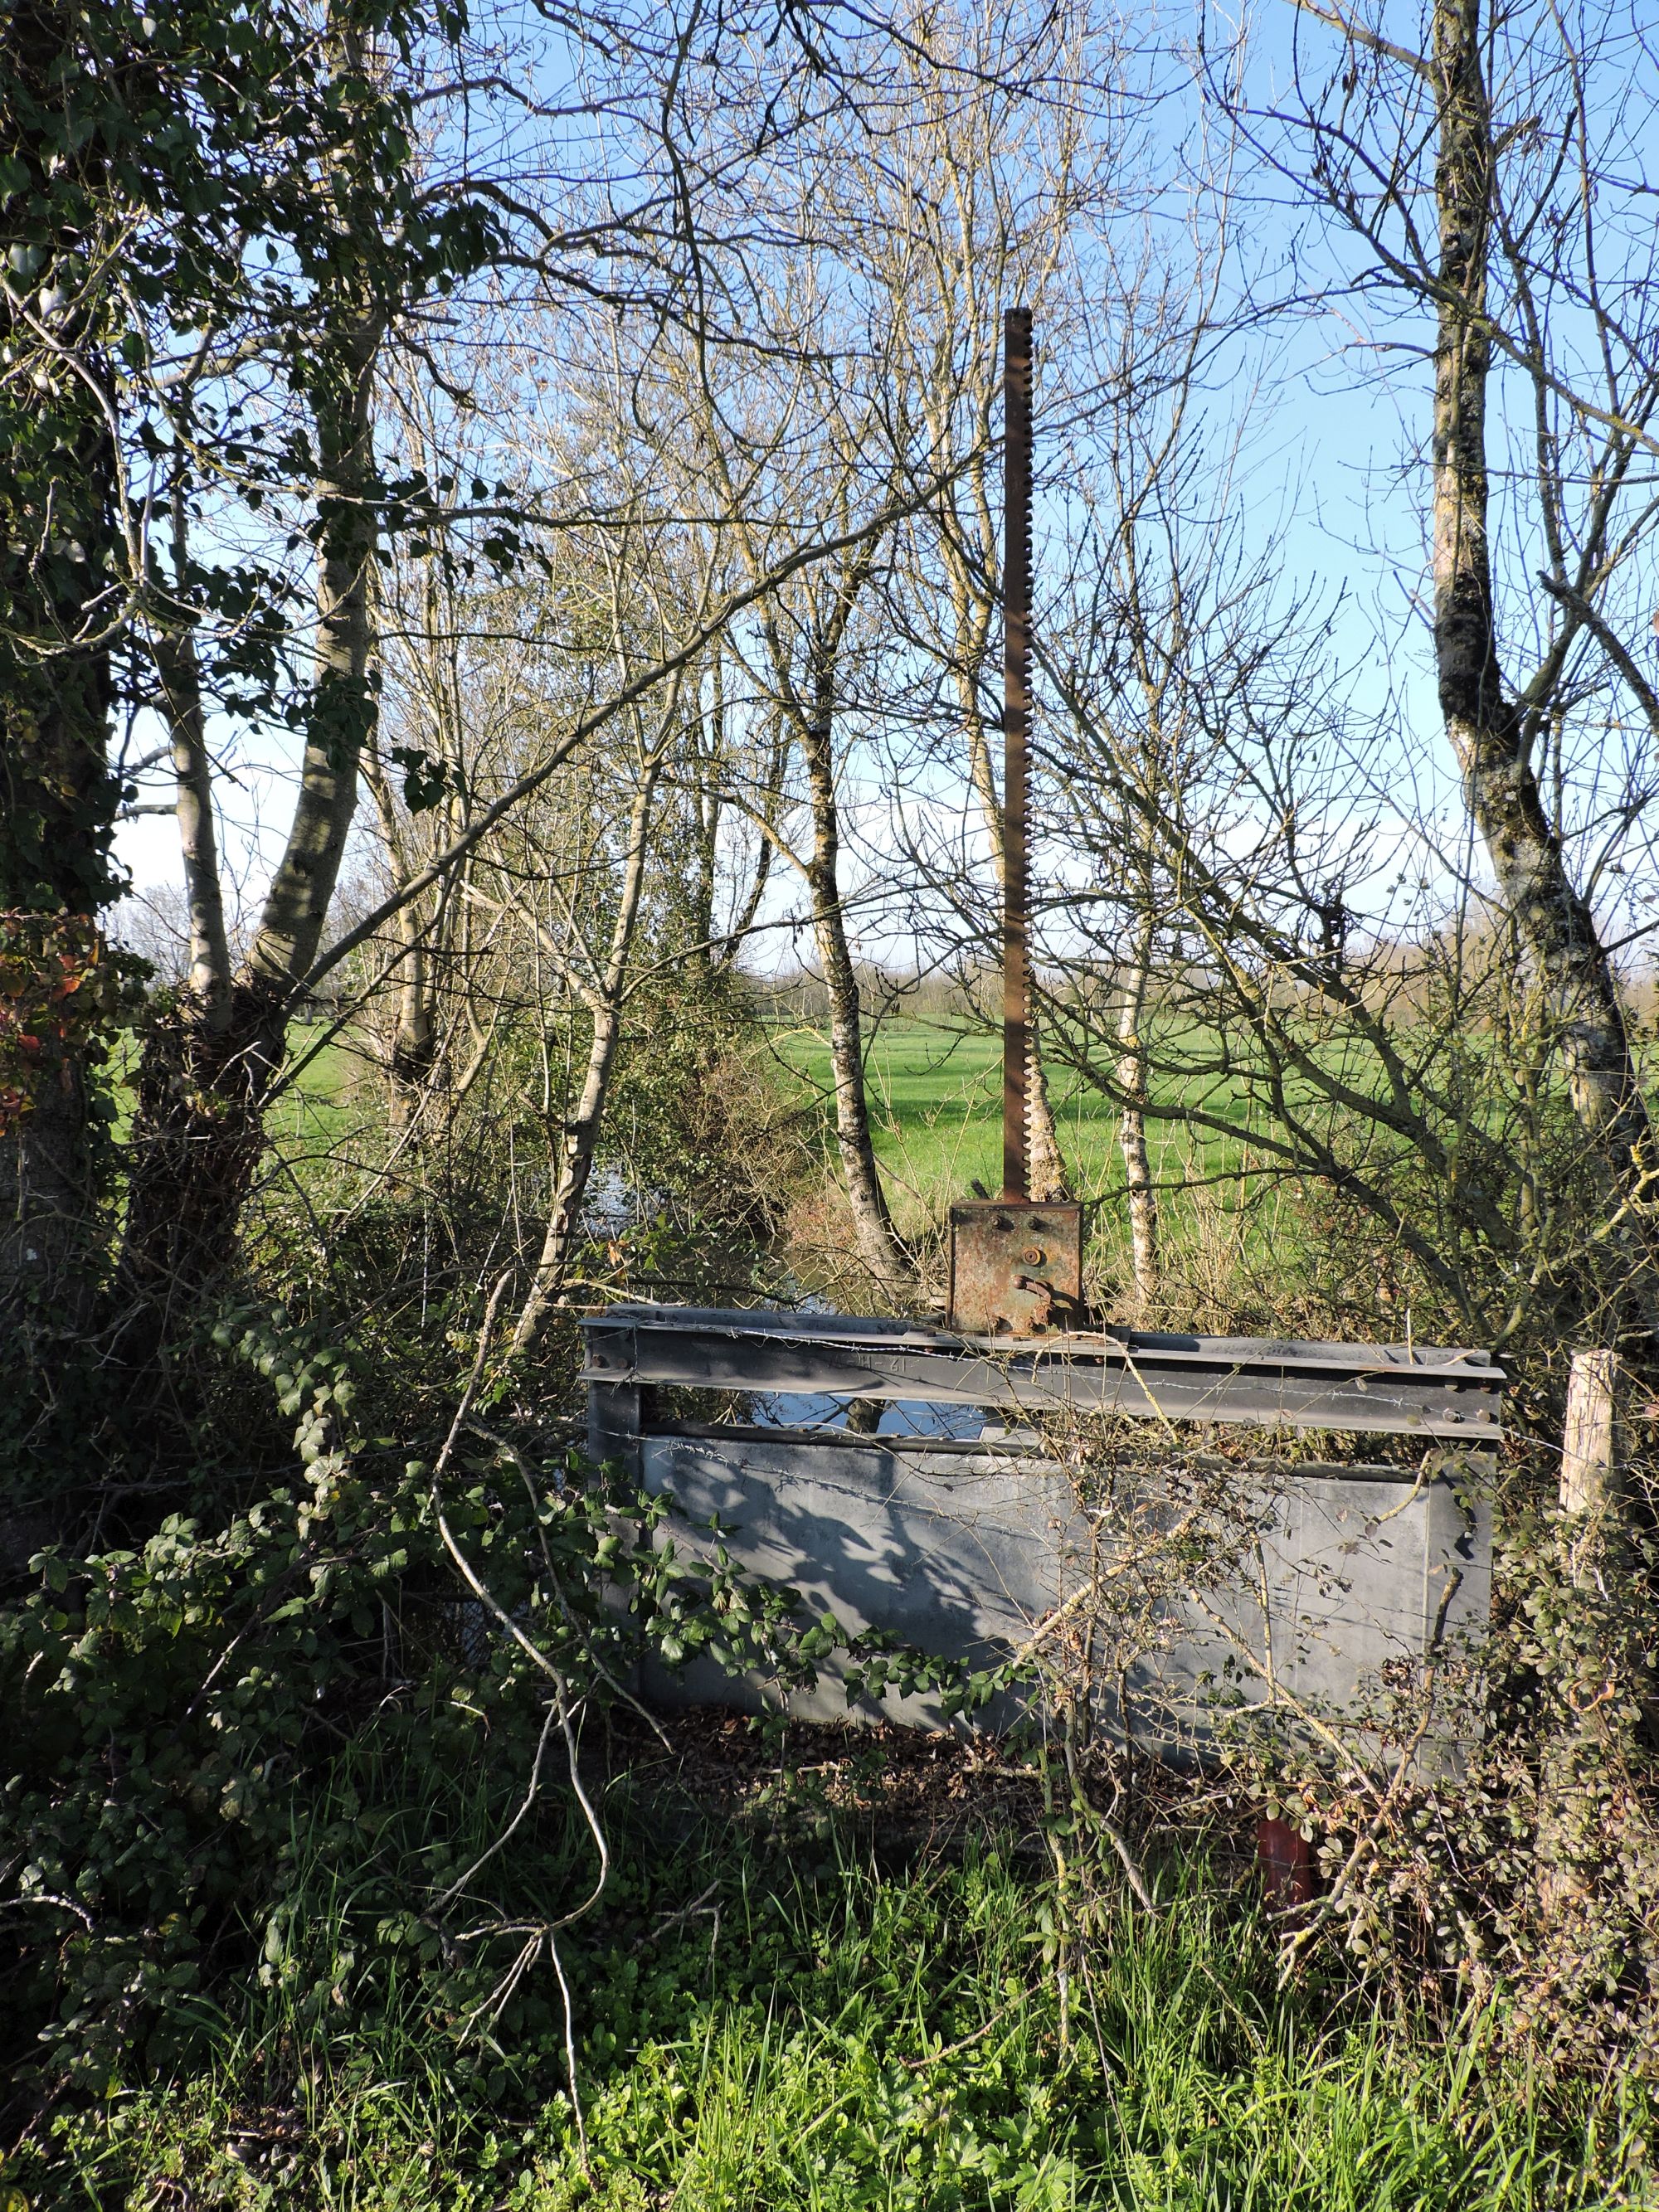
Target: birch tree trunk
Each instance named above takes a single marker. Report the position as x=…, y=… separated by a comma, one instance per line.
x=873, y=1225
x=191, y=1128
x=207, y=976
x=575, y=1166
x=581, y=1132
x=1131, y=1127
x=1483, y=719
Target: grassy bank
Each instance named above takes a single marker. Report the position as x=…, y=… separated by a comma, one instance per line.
x=776, y=2017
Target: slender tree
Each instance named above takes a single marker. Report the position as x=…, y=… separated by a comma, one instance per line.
x=1479, y=175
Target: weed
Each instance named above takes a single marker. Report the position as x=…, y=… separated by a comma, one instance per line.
x=833, y=2035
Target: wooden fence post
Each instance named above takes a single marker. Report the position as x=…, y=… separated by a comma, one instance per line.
x=1572, y=1839
x=1590, y=1453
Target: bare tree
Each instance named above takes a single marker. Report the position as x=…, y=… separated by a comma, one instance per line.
x=1139, y=1187
x=639, y=186
x=1481, y=174
x=978, y=205
x=818, y=419
x=604, y=977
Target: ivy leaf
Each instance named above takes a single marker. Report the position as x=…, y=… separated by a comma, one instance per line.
x=425, y=780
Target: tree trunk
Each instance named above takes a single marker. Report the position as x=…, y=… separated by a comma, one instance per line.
x=1132, y=1128
x=581, y=1132
x=878, y=1242
x=207, y=979
x=1046, y=1164
x=706, y=799
x=198, y=1131
x=1483, y=718
x=414, y=1047
x=50, y=1237
x=60, y=576
x=575, y=1167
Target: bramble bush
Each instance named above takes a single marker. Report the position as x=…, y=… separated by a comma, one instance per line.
x=195, y=1719
x=1483, y=1824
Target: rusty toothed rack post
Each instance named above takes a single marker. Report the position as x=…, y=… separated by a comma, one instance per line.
x=1015, y=1268
x=1019, y=1340
x=1015, y=743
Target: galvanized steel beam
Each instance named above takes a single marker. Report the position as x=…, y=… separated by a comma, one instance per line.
x=1258, y=1381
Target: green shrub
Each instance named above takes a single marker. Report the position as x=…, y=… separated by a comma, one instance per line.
x=199, y=1720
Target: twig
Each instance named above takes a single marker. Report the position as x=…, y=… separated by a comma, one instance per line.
x=699, y=1904
x=486, y=1330
x=966, y=2042
x=1115, y=1838
x=483, y=1860
x=1086, y=1590
x=548, y=1931
x=618, y=1689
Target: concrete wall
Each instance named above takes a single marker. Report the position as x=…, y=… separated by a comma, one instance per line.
x=964, y=1554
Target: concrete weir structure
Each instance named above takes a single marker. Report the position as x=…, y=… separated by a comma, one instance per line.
x=1322, y=1578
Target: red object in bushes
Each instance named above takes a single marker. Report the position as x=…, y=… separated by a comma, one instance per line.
x=1286, y=1858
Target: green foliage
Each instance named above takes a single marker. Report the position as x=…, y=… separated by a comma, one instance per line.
x=812, y=2029
x=154, y=200
x=196, y=1718
x=426, y=779
x=151, y=191
x=686, y=1117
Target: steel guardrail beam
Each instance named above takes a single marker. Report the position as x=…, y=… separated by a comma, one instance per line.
x=1259, y=1382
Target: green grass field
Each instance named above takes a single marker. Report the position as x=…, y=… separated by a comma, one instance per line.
x=935, y=1100
x=936, y=1106
x=314, y=1112
x=1239, y=1237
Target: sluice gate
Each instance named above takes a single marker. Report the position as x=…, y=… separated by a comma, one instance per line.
x=976, y=1548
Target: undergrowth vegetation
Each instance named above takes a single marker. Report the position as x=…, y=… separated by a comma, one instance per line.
x=342, y=1869
x=816, y=2025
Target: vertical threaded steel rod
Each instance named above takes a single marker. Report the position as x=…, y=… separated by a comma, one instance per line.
x=1016, y=726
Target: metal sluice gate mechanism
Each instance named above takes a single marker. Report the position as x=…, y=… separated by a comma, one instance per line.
x=1018, y=1332
x=1016, y=1261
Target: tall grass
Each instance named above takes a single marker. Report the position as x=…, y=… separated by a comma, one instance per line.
x=767, y=2025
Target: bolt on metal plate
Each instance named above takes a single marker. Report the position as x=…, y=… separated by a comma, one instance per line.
x=1015, y=1268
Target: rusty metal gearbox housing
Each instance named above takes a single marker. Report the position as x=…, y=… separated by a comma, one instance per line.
x=1015, y=1268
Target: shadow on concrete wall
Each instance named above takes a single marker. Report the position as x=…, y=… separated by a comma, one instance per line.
x=1338, y=1574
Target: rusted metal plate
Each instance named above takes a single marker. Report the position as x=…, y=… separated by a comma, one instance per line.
x=1015, y=1268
